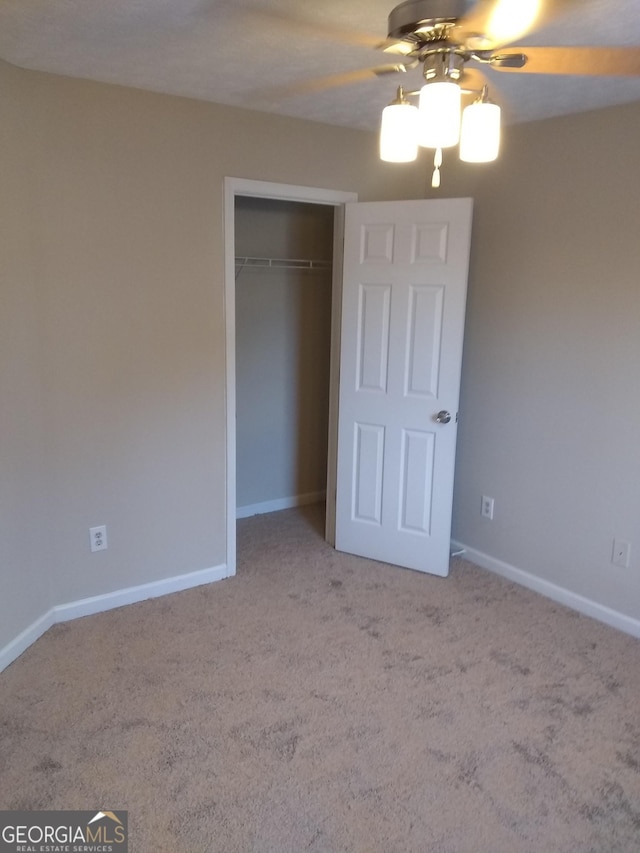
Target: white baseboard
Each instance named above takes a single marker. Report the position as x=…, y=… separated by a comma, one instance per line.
x=132, y=594
x=26, y=638
x=557, y=593
x=108, y=601
x=280, y=503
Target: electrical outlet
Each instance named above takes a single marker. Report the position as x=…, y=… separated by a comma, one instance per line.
x=621, y=554
x=98, y=538
x=486, y=509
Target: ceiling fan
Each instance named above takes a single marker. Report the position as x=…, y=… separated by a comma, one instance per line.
x=452, y=43
x=425, y=30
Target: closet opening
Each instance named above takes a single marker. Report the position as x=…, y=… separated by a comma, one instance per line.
x=283, y=309
x=281, y=233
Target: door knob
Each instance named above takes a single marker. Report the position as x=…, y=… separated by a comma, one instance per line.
x=443, y=417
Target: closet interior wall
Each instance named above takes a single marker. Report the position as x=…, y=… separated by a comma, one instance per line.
x=283, y=339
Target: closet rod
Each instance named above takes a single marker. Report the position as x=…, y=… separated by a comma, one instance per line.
x=282, y=263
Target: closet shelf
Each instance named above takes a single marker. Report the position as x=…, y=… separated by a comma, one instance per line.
x=282, y=263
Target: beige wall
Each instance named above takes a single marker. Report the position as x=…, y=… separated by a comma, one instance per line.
x=550, y=394
x=25, y=589
x=113, y=328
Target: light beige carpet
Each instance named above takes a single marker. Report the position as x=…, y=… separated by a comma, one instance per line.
x=322, y=702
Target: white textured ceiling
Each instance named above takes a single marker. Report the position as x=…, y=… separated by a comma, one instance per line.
x=240, y=51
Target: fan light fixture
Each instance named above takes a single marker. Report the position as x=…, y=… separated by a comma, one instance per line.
x=439, y=122
x=510, y=20
x=480, y=133
x=439, y=111
x=399, y=130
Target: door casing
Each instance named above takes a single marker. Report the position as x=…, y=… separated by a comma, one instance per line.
x=284, y=192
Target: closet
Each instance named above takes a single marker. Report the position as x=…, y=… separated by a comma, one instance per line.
x=283, y=339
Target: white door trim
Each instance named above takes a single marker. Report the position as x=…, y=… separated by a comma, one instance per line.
x=286, y=192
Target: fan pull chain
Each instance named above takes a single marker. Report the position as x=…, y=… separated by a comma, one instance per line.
x=437, y=162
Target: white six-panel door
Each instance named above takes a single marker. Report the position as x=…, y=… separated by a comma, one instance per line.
x=404, y=296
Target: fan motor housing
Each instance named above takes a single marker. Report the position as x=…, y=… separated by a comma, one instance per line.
x=413, y=15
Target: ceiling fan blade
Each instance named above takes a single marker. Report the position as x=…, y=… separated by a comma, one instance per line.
x=332, y=81
x=399, y=47
x=592, y=61
x=472, y=80
x=493, y=23
x=394, y=68
x=305, y=28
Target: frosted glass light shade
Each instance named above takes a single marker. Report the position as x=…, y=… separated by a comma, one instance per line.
x=399, y=133
x=480, y=134
x=439, y=109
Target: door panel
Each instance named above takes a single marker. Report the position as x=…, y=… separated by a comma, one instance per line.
x=417, y=471
x=367, y=473
x=424, y=340
x=404, y=295
x=373, y=337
